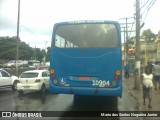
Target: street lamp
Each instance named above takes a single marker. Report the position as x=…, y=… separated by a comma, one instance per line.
x=17, y=44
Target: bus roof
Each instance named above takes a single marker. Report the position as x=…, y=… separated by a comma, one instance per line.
x=87, y=21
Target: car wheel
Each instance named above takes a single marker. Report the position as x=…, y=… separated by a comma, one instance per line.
x=43, y=89
x=14, y=86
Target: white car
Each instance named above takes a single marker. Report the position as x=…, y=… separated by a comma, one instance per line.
x=12, y=64
x=7, y=80
x=33, y=80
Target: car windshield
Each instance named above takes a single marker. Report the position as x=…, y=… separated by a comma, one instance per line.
x=29, y=75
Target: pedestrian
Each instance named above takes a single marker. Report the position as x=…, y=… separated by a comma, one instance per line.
x=150, y=66
x=147, y=84
x=126, y=71
x=156, y=74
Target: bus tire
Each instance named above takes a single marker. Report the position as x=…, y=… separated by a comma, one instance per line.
x=76, y=99
x=20, y=92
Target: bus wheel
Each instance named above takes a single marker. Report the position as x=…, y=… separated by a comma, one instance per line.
x=76, y=99
x=20, y=92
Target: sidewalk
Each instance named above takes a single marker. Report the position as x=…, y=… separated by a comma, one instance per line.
x=138, y=95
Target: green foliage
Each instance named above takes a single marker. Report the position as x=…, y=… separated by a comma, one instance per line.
x=149, y=35
x=39, y=56
x=48, y=54
x=8, y=50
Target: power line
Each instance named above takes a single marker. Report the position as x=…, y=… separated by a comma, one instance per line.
x=144, y=4
x=30, y=31
x=148, y=8
x=131, y=29
x=126, y=38
x=131, y=24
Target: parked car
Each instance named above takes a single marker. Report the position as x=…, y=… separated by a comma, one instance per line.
x=33, y=80
x=12, y=64
x=7, y=80
x=34, y=63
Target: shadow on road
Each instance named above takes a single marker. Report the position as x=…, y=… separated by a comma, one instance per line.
x=90, y=108
x=34, y=96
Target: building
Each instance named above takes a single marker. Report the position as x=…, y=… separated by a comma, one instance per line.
x=150, y=50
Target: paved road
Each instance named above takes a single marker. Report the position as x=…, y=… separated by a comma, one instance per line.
x=34, y=101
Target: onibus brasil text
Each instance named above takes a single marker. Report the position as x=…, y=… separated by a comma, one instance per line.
x=26, y=114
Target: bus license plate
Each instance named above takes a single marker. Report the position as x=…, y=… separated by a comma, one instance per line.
x=84, y=78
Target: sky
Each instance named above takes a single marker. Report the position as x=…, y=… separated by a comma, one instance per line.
x=37, y=17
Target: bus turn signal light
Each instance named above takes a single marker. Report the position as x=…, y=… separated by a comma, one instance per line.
x=52, y=71
x=118, y=72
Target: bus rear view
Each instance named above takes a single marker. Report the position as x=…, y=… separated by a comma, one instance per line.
x=86, y=58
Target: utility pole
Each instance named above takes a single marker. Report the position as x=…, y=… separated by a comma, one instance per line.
x=127, y=40
x=138, y=62
x=124, y=45
x=17, y=43
x=126, y=37
x=158, y=53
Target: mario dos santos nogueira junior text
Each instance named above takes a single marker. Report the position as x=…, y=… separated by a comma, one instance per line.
x=129, y=114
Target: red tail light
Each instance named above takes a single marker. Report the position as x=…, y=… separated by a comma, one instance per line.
x=53, y=76
x=116, y=77
x=38, y=80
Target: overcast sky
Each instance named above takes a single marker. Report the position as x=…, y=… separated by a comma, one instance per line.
x=37, y=17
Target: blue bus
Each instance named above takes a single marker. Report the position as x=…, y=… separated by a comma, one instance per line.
x=86, y=58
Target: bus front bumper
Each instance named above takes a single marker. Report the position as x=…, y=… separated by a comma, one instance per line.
x=117, y=91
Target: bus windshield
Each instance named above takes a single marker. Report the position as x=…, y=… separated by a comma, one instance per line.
x=86, y=36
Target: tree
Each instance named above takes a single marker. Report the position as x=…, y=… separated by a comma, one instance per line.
x=150, y=36
x=25, y=51
x=8, y=50
x=39, y=54
x=48, y=54
x=159, y=35
x=7, y=47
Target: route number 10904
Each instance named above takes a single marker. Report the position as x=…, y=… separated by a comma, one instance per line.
x=100, y=83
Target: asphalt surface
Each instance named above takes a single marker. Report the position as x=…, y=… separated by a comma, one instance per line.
x=34, y=101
